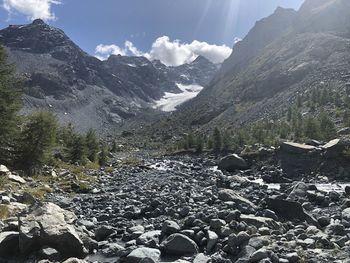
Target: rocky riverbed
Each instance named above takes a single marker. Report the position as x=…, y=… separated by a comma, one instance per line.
x=182, y=209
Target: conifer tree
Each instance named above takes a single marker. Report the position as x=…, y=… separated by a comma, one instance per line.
x=199, y=144
x=37, y=139
x=217, y=140
x=91, y=145
x=77, y=149
x=103, y=156
x=10, y=103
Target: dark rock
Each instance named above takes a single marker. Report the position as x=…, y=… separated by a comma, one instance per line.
x=178, y=244
x=289, y=210
x=232, y=163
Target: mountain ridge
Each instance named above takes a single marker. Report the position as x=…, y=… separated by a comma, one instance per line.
x=59, y=76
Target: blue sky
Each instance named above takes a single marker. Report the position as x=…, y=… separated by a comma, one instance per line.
x=93, y=22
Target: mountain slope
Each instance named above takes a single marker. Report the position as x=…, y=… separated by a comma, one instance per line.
x=284, y=55
x=83, y=90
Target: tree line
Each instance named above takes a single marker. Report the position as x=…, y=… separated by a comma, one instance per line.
x=28, y=143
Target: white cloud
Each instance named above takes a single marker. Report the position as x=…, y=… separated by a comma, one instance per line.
x=171, y=53
x=102, y=52
x=33, y=9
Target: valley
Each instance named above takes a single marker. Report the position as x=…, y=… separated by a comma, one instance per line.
x=167, y=155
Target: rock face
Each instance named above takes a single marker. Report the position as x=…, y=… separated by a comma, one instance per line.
x=60, y=77
x=232, y=163
x=178, y=244
x=49, y=225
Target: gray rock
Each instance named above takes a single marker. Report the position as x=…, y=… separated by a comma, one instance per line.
x=258, y=255
x=16, y=178
x=142, y=253
x=212, y=240
x=170, y=227
x=232, y=163
x=289, y=210
x=178, y=244
x=150, y=239
x=201, y=258
x=49, y=225
x=230, y=195
x=102, y=232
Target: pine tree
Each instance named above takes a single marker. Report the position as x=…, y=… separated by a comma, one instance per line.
x=91, y=145
x=199, y=144
x=311, y=128
x=10, y=103
x=38, y=138
x=77, y=149
x=190, y=141
x=103, y=156
x=226, y=141
x=327, y=127
x=66, y=135
x=114, y=146
x=217, y=140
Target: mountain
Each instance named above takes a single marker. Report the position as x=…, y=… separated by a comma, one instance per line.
x=60, y=77
x=285, y=55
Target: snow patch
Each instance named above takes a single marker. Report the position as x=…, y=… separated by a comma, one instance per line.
x=170, y=101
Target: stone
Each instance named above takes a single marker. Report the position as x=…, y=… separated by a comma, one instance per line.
x=289, y=210
x=201, y=258
x=259, y=221
x=232, y=163
x=258, y=255
x=217, y=223
x=4, y=170
x=346, y=214
x=50, y=254
x=49, y=225
x=227, y=195
x=296, y=148
x=113, y=250
x=149, y=239
x=299, y=190
x=16, y=178
x=212, y=240
x=9, y=243
x=102, y=232
x=141, y=253
x=74, y=260
x=178, y=244
x=170, y=227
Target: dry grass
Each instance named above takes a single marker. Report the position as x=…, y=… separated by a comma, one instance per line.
x=4, y=212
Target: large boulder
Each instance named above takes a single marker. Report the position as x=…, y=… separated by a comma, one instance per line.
x=290, y=210
x=227, y=195
x=178, y=244
x=9, y=244
x=232, y=163
x=49, y=225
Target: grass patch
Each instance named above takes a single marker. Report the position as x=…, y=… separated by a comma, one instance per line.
x=4, y=212
x=78, y=169
x=40, y=192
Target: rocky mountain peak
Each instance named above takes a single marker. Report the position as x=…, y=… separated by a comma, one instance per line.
x=201, y=60
x=38, y=22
